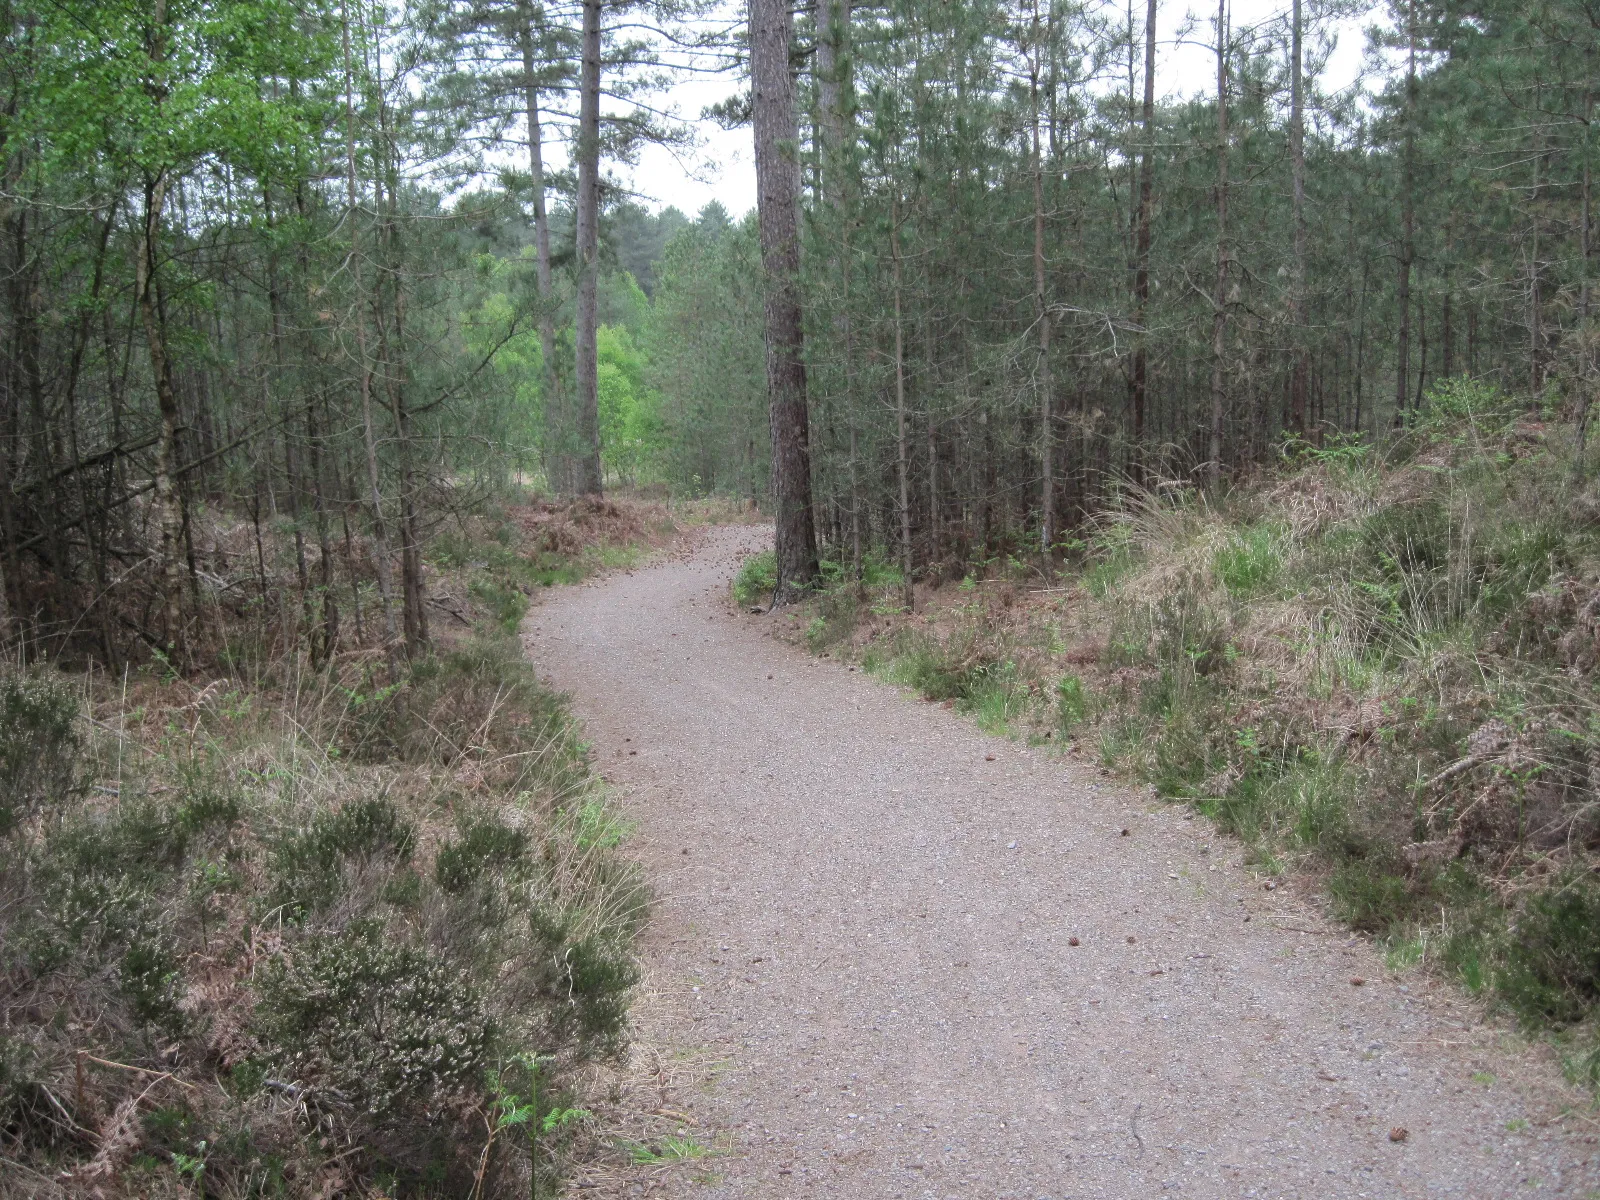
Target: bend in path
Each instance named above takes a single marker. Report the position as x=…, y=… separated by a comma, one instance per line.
x=872, y=924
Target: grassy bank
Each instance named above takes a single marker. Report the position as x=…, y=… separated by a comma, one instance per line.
x=1377, y=669
x=359, y=930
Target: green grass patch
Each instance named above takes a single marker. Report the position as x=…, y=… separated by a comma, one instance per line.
x=756, y=580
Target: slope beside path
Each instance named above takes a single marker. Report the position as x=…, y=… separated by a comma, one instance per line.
x=933, y=963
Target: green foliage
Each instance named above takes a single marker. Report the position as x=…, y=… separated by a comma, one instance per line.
x=1250, y=562
x=757, y=577
x=631, y=434
x=485, y=844
x=1369, y=896
x=1072, y=702
x=308, y=865
x=1552, y=960
x=481, y=700
x=386, y=1025
x=1189, y=634
x=707, y=360
x=507, y=605
x=39, y=745
x=1462, y=398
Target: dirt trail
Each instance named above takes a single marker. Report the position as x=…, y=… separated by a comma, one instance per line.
x=871, y=924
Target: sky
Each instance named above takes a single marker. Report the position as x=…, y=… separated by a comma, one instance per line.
x=723, y=167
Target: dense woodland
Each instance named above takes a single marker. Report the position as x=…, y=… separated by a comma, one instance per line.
x=326, y=322
x=305, y=268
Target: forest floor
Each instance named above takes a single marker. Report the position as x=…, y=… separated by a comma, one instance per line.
x=894, y=956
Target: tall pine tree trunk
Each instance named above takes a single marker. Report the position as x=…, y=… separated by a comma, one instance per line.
x=587, y=481
x=1300, y=378
x=1586, y=355
x=1407, y=221
x=902, y=435
x=556, y=459
x=1138, y=377
x=1047, y=488
x=380, y=539
x=1219, y=298
x=168, y=501
x=778, y=202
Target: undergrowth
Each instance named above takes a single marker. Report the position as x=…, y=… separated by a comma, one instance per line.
x=300, y=931
x=1377, y=667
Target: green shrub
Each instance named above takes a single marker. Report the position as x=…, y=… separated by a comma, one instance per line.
x=484, y=844
x=388, y=1026
x=1314, y=795
x=506, y=604
x=481, y=699
x=1072, y=702
x=1461, y=397
x=837, y=615
x=1368, y=895
x=757, y=578
x=995, y=694
x=586, y=979
x=40, y=746
x=1552, y=969
x=1251, y=561
x=307, y=866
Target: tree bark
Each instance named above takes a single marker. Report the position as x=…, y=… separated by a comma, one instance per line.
x=557, y=465
x=168, y=501
x=586, y=474
x=1585, y=295
x=1407, y=221
x=1297, y=286
x=1138, y=376
x=1047, y=486
x=1219, y=300
x=777, y=200
x=380, y=540
x=902, y=437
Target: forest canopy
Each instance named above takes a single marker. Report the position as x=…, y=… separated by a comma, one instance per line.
x=337, y=266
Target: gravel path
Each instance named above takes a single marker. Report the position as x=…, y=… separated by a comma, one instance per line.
x=938, y=964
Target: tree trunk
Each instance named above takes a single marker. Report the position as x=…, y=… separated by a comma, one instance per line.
x=1297, y=287
x=1219, y=299
x=558, y=472
x=587, y=480
x=1137, y=379
x=1536, y=372
x=1407, y=222
x=168, y=502
x=380, y=540
x=902, y=437
x=1047, y=486
x=778, y=198
x=1585, y=296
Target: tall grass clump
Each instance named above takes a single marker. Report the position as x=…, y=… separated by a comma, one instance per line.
x=756, y=579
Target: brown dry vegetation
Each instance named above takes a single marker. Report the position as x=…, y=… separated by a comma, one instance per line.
x=1379, y=669
x=352, y=928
